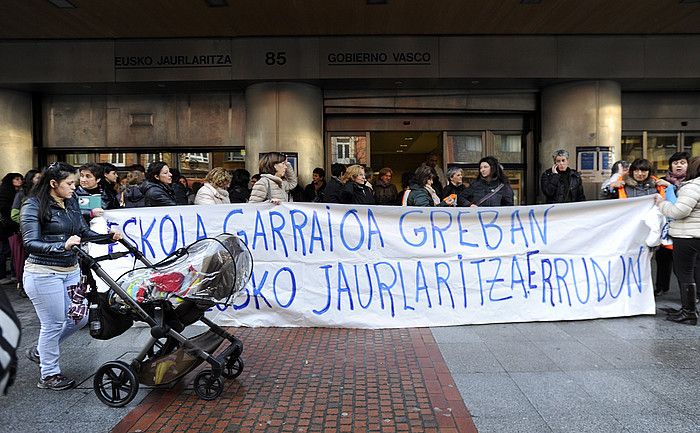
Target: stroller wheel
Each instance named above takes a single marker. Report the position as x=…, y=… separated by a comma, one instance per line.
x=207, y=386
x=115, y=383
x=233, y=369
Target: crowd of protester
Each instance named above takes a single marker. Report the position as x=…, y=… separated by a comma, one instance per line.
x=42, y=216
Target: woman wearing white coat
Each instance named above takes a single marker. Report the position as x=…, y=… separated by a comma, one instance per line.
x=277, y=178
x=685, y=232
x=214, y=190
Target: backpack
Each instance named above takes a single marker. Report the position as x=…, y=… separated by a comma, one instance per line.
x=133, y=197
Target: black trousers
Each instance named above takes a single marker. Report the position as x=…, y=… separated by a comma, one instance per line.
x=664, y=267
x=686, y=252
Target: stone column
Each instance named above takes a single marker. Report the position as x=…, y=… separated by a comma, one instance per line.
x=285, y=117
x=15, y=132
x=583, y=113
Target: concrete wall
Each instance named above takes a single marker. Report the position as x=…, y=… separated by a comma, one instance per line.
x=15, y=132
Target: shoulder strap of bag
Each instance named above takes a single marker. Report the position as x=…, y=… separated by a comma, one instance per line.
x=269, y=191
x=489, y=195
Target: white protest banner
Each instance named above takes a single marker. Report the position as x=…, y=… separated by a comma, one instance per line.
x=383, y=267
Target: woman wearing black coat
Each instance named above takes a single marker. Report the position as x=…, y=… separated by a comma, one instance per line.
x=157, y=188
x=561, y=184
x=10, y=185
x=491, y=188
x=238, y=191
x=355, y=190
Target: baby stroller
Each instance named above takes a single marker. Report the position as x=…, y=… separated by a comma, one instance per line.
x=169, y=296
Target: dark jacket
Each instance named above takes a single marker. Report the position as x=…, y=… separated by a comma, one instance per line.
x=451, y=189
x=110, y=196
x=311, y=194
x=238, y=194
x=45, y=238
x=481, y=188
x=632, y=188
x=563, y=187
x=331, y=194
x=419, y=196
x=7, y=198
x=354, y=193
x=181, y=194
x=133, y=196
x=158, y=194
x=386, y=193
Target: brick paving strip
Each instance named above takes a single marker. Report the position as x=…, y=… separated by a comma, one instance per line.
x=319, y=380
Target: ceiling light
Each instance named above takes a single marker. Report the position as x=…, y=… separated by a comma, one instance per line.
x=408, y=139
x=217, y=3
x=399, y=151
x=403, y=145
x=63, y=4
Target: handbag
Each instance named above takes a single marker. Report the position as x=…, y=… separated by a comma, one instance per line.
x=106, y=321
x=78, y=308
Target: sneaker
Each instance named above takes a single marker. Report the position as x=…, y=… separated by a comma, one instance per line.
x=33, y=355
x=6, y=280
x=57, y=382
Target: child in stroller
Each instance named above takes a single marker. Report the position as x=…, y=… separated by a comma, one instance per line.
x=169, y=296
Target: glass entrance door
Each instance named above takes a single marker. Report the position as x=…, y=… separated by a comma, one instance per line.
x=465, y=149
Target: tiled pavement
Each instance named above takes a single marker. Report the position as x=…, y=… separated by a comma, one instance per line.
x=321, y=380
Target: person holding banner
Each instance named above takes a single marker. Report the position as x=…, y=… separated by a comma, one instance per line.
x=157, y=188
x=685, y=232
x=421, y=192
x=491, y=188
x=677, y=169
x=214, y=190
x=640, y=183
x=355, y=190
x=561, y=184
x=52, y=224
x=454, y=187
x=277, y=179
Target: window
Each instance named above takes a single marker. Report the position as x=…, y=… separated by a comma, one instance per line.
x=465, y=148
x=117, y=159
x=691, y=143
x=631, y=147
x=77, y=159
x=508, y=148
x=660, y=147
x=349, y=149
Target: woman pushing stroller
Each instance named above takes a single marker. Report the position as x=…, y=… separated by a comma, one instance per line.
x=51, y=225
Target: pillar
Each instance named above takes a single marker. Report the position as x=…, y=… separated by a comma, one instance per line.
x=15, y=132
x=285, y=117
x=583, y=113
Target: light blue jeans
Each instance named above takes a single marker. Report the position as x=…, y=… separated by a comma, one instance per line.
x=49, y=294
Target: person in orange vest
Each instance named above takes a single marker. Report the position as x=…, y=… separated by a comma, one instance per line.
x=639, y=182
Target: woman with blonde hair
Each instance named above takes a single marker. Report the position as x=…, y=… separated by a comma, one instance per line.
x=277, y=178
x=355, y=190
x=215, y=188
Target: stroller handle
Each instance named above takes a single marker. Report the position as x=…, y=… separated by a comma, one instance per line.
x=104, y=238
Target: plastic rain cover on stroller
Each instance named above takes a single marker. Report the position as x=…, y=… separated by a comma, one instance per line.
x=211, y=270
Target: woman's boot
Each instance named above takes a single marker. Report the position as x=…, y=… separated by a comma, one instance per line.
x=688, y=314
x=671, y=311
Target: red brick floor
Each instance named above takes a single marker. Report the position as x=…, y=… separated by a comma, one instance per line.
x=319, y=380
